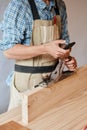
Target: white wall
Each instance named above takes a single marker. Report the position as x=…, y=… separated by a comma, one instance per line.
x=77, y=23
x=77, y=19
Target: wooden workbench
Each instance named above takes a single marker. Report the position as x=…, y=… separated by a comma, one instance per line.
x=61, y=106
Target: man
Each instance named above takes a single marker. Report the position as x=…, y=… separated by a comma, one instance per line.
x=32, y=30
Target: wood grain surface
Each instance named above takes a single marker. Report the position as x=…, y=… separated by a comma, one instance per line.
x=71, y=115
x=65, y=106
x=12, y=126
x=14, y=114
x=58, y=94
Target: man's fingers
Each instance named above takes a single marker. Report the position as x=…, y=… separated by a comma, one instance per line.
x=59, y=41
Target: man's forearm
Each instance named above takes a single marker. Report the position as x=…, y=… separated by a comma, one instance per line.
x=20, y=52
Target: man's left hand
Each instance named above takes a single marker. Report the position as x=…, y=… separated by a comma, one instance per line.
x=71, y=63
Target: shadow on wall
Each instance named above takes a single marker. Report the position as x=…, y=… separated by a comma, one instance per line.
x=5, y=67
x=77, y=23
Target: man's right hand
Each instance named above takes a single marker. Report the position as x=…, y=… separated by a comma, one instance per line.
x=53, y=49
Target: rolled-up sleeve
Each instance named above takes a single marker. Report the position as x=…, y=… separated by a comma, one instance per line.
x=13, y=25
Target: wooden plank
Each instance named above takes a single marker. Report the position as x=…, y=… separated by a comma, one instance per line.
x=46, y=99
x=14, y=114
x=12, y=126
x=71, y=115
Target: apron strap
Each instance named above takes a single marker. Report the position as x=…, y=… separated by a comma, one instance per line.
x=34, y=9
x=56, y=8
x=35, y=69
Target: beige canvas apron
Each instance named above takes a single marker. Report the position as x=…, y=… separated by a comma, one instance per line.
x=44, y=31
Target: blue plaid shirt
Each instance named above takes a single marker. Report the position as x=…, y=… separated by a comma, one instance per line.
x=17, y=23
